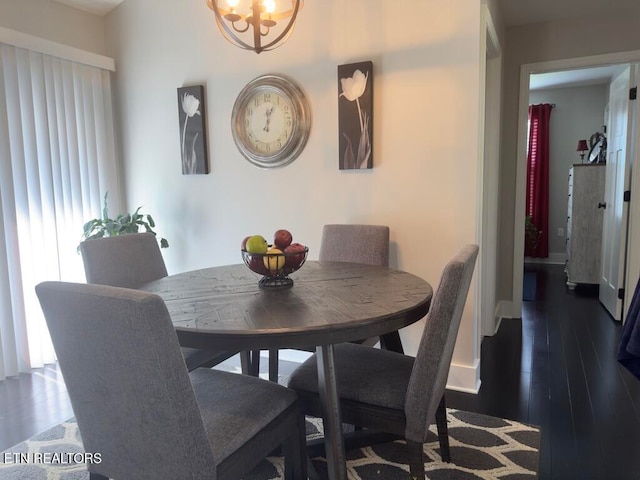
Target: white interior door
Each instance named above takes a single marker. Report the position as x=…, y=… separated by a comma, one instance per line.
x=633, y=239
x=617, y=181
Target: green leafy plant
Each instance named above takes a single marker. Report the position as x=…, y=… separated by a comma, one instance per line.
x=121, y=225
x=532, y=235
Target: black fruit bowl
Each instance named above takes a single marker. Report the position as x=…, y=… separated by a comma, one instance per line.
x=275, y=267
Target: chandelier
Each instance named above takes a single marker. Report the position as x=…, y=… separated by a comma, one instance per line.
x=249, y=28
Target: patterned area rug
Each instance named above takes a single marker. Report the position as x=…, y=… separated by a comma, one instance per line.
x=482, y=447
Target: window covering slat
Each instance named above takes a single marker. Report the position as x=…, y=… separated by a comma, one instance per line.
x=57, y=159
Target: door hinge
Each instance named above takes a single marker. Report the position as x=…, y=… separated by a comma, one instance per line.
x=633, y=93
x=627, y=196
x=621, y=293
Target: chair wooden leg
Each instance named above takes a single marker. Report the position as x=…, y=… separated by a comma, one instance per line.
x=250, y=362
x=443, y=431
x=273, y=365
x=97, y=476
x=245, y=361
x=391, y=341
x=416, y=460
x=295, y=452
x=255, y=363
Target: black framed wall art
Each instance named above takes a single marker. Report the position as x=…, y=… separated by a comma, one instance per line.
x=355, y=115
x=193, y=137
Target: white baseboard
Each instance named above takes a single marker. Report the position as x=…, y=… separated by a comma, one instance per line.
x=498, y=321
x=497, y=318
x=464, y=378
x=504, y=309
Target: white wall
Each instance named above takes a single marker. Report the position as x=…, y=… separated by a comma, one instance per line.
x=424, y=184
x=426, y=95
x=579, y=112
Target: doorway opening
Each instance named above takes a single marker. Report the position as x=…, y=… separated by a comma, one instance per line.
x=537, y=73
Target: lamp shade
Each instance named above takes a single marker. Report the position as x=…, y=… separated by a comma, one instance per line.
x=582, y=146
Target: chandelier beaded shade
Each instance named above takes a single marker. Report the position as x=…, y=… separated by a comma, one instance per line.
x=257, y=25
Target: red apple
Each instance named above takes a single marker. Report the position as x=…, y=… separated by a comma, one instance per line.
x=292, y=260
x=256, y=264
x=244, y=242
x=282, y=239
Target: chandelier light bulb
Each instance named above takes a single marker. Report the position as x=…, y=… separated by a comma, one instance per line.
x=269, y=6
x=253, y=29
x=232, y=16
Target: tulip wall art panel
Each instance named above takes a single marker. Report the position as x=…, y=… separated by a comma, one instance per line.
x=193, y=139
x=355, y=115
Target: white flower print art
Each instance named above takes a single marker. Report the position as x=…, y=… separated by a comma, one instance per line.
x=193, y=144
x=355, y=124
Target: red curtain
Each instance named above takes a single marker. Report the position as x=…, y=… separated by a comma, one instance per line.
x=537, y=207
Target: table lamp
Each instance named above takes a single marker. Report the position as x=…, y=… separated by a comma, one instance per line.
x=582, y=147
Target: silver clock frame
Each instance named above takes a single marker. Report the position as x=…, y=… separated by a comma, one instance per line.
x=301, y=120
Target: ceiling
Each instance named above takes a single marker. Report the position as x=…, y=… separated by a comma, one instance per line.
x=523, y=12
x=574, y=78
x=514, y=12
x=98, y=7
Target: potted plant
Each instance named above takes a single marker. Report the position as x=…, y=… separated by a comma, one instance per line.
x=121, y=225
x=532, y=235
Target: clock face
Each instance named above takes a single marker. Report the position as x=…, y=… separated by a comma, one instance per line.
x=268, y=122
x=271, y=121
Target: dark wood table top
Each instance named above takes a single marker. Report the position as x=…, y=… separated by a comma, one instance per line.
x=330, y=302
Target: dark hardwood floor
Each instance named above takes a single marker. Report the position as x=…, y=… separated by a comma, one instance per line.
x=555, y=368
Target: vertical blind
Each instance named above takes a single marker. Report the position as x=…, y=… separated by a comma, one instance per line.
x=57, y=158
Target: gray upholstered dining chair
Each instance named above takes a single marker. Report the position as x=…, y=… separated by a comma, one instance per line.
x=395, y=393
x=368, y=244
x=130, y=261
x=146, y=415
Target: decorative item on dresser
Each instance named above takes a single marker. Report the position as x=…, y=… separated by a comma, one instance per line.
x=584, y=223
x=582, y=147
x=598, y=148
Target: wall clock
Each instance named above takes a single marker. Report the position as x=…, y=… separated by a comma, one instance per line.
x=271, y=121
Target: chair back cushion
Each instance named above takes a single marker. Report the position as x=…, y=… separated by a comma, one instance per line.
x=367, y=244
x=128, y=384
x=123, y=260
x=431, y=367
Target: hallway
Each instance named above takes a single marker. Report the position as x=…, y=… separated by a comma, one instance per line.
x=556, y=368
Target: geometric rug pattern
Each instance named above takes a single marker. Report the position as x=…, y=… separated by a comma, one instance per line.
x=482, y=447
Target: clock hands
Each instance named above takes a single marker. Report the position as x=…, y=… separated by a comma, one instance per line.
x=268, y=113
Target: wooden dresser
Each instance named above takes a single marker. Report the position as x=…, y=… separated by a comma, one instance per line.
x=584, y=223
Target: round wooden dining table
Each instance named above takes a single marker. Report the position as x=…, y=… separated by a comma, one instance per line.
x=223, y=308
